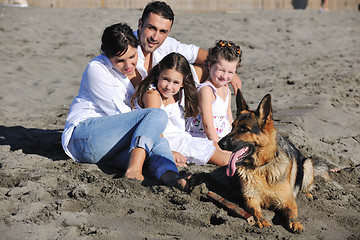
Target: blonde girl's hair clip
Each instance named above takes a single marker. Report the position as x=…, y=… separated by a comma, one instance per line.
x=221, y=43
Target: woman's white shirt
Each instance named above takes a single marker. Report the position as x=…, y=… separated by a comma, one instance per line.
x=103, y=91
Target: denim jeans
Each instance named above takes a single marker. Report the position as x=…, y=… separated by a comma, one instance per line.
x=111, y=139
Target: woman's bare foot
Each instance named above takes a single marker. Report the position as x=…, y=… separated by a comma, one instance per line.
x=136, y=162
x=134, y=175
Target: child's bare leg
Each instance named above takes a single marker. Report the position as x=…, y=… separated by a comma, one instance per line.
x=220, y=157
x=136, y=162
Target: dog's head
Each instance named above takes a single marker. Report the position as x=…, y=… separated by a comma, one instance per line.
x=252, y=139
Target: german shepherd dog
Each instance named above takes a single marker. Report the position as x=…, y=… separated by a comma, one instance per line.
x=270, y=168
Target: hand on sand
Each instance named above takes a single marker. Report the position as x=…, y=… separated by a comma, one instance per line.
x=180, y=160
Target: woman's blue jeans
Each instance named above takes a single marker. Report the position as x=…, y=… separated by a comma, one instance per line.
x=111, y=139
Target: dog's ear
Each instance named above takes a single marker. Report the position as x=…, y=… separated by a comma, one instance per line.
x=240, y=102
x=264, y=110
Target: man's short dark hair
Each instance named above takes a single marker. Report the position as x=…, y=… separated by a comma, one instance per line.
x=159, y=8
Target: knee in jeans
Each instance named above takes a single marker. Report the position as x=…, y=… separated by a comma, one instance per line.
x=163, y=142
x=161, y=116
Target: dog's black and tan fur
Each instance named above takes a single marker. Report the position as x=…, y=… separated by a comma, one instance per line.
x=272, y=170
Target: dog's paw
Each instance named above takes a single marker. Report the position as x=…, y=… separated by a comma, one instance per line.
x=295, y=226
x=309, y=196
x=263, y=223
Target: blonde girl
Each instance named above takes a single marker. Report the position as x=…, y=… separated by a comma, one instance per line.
x=215, y=119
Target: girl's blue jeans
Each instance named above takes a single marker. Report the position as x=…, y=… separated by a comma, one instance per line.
x=111, y=139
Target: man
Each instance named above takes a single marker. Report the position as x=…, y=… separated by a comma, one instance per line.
x=154, y=28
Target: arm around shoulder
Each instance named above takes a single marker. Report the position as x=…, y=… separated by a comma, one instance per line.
x=201, y=56
x=236, y=83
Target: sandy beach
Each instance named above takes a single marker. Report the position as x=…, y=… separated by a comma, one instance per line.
x=308, y=61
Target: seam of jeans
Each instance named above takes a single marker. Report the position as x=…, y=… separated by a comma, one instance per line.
x=142, y=142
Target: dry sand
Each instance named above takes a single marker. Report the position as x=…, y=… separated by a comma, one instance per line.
x=308, y=61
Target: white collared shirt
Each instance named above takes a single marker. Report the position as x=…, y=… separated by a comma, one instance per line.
x=103, y=91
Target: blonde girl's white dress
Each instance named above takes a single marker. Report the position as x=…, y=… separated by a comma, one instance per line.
x=194, y=125
x=196, y=150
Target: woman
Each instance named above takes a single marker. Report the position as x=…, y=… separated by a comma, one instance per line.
x=102, y=129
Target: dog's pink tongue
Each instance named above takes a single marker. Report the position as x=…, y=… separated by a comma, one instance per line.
x=234, y=158
x=230, y=170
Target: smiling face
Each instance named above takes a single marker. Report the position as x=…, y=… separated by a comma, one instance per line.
x=126, y=63
x=169, y=83
x=222, y=72
x=153, y=32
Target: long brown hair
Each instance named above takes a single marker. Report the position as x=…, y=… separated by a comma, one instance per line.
x=179, y=63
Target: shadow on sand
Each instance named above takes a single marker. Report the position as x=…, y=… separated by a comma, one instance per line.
x=42, y=142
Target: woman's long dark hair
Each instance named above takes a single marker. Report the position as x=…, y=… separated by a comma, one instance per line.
x=179, y=63
x=116, y=40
